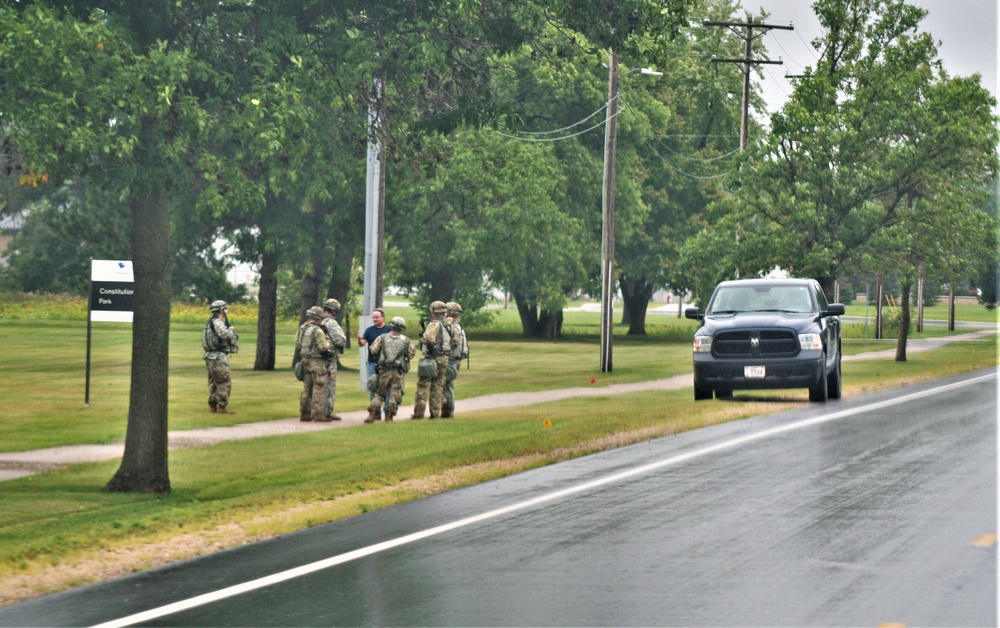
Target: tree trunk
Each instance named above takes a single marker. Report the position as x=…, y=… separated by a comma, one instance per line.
x=904, y=321
x=267, y=313
x=144, y=463
x=828, y=285
x=534, y=324
x=549, y=325
x=636, y=295
x=528, y=315
x=316, y=272
x=340, y=278
x=310, y=286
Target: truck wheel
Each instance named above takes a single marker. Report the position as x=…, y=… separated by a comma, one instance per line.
x=818, y=391
x=834, y=381
x=701, y=394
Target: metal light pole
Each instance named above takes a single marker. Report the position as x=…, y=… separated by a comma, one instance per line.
x=374, y=224
x=608, y=211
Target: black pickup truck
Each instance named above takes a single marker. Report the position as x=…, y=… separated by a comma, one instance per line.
x=765, y=334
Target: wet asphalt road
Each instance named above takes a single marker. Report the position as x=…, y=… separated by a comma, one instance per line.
x=867, y=511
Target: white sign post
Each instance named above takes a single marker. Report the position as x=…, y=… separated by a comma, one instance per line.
x=110, y=299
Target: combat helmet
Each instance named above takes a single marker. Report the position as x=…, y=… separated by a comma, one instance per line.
x=217, y=305
x=454, y=307
x=315, y=312
x=398, y=323
x=331, y=304
x=438, y=306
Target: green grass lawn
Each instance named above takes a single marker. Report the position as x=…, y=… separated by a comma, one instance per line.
x=58, y=529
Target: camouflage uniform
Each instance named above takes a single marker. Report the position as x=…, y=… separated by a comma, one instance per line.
x=459, y=351
x=435, y=344
x=219, y=339
x=315, y=348
x=394, y=352
x=339, y=341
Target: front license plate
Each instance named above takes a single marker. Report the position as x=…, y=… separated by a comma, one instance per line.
x=753, y=372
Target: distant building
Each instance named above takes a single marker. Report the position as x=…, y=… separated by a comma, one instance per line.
x=10, y=225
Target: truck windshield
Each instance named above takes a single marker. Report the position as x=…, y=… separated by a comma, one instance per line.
x=781, y=298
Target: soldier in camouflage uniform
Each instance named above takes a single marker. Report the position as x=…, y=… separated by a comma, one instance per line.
x=315, y=348
x=394, y=353
x=219, y=339
x=459, y=351
x=435, y=343
x=339, y=341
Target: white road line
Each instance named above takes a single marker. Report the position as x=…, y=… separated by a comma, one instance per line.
x=290, y=574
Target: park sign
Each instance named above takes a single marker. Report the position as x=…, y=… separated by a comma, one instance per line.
x=111, y=291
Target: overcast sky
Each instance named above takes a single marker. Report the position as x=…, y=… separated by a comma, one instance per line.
x=965, y=29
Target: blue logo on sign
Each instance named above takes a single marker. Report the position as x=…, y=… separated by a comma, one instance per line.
x=121, y=264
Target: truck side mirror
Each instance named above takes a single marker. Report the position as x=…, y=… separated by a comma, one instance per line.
x=834, y=309
x=693, y=313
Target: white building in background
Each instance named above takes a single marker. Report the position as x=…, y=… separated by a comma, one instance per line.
x=245, y=275
x=10, y=225
x=242, y=273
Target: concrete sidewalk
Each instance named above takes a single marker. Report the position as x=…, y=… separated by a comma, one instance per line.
x=24, y=463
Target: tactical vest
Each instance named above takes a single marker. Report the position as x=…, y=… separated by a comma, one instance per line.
x=210, y=340
x=393, y=352
x=459, y=347
x=442, y=346
x=311, y=343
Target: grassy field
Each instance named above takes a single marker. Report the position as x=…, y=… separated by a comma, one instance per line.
x=58, y=529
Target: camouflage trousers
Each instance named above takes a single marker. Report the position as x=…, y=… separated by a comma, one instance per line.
x=314, y=378
x=330, y=392
x=429, y=390
x=220, y=383
x=390, y=389
x=448, y=394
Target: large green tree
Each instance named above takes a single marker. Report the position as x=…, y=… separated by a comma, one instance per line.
x=102, y=95
x=677, y=157
x=863, y=135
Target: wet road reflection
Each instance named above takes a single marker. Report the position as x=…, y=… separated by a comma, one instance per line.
x=844, y=514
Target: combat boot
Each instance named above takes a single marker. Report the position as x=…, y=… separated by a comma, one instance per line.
x=304, y=415
x=388, y=416
x=334, y=417
x=213, y=408
x=371, y=416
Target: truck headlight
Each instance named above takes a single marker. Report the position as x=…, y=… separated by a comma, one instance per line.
x=702, y=344
x=810, y=341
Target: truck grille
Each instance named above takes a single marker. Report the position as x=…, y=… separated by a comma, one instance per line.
x=756, y=342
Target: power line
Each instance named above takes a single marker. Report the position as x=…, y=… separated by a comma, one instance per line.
x=565, y=128
x=679, y=171
x=561, y=137
x=701, y=159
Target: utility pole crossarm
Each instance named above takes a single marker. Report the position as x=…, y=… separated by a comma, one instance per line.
x=752, y=24
x=749, y=61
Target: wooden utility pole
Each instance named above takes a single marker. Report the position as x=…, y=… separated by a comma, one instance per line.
x=608, y=217
x=747, y=61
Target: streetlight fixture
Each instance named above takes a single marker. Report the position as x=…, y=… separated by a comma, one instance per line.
x=608, y=209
